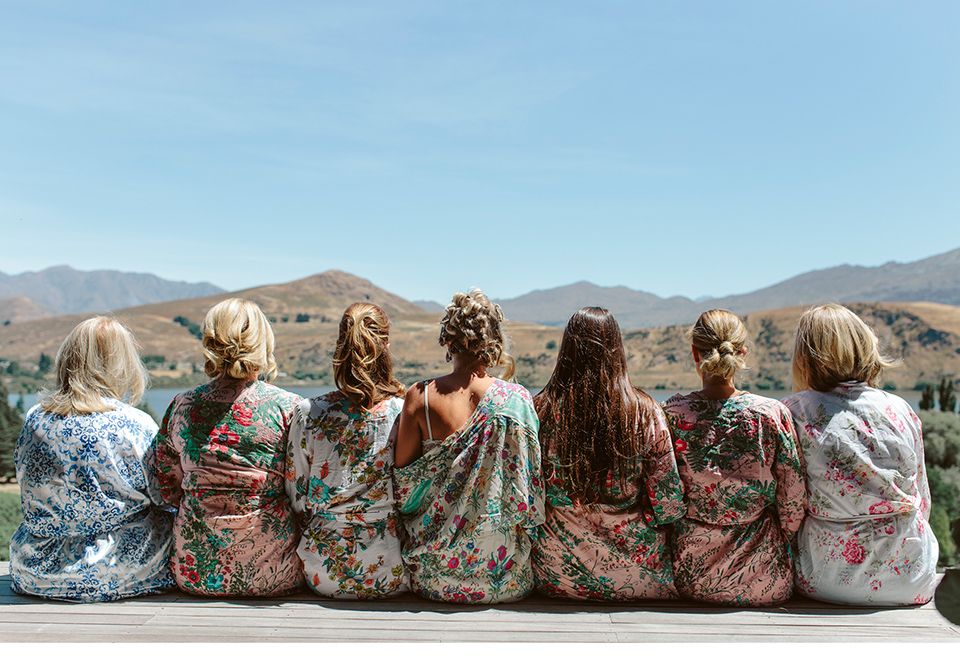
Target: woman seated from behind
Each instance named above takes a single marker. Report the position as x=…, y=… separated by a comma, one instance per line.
x=90, y=531
x=468, y=468
x=610, y=472
x=339, y=465
x=866, y=539
x=220, y=463
x=743, y=476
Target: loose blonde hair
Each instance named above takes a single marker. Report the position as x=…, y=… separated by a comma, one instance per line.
x=238, y=341
x=721, y=340
x=362, y=367
x=99, y=360
x=472, y=325
x=834, y=345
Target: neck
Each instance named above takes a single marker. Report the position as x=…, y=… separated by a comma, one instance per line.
x=466, y=366
x=719, y=388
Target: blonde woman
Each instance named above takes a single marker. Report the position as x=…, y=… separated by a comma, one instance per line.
x=866, y=539
x=220, y=463
x=90, y=531
x=741, y=469
x=339, y=466
x=468, y=468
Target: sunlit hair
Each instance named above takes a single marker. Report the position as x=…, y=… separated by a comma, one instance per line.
x=721, y=340
x=362, y=368
x=98, y=361
x=591, y=417
x=833, y=346
x=472, y=325
x=238, y=341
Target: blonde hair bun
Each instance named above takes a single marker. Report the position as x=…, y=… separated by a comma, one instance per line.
x=472, y=325
x=238, y=341
x=721, y=340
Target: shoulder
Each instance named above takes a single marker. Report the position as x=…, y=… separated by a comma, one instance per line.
x=513, y=391
x=677, y=401
x=764, y=406
x=272, y=393
x=413, y=399
x=513, y=400
x=137, y=417
x=798, y=401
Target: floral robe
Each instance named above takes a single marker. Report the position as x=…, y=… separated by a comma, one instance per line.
x=90, y=531
x=339, y=465
x=866, y=539
x=617, y=550
x=743, y=476
x=471, y=505
x=220, y=457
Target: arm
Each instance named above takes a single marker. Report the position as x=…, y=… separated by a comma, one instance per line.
x=166, y=470
x=298, y=460
x=662, y=478
x=789, y=472
x=409, y=445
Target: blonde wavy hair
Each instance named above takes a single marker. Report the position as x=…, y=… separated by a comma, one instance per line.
x=238, y=341
x=721, y=340
x=472, y=325
x=98, y=361
x=362, y=367
x=834, y=345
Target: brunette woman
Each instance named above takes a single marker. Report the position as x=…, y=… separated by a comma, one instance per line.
x=339, y=466
x=612, y=484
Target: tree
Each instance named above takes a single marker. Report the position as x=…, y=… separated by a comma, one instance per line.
x=551, y=345
x=10, y=423
x=926, y=399
x=44, y=364
x=948, y=396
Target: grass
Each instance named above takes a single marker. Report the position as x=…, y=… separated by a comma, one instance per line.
x=9, y=521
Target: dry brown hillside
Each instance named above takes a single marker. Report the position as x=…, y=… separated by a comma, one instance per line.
x=925, y=335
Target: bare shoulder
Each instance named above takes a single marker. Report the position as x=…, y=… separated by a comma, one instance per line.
x=413, y=399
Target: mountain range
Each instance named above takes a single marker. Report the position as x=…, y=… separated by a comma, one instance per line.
x=933, y=279
x=65, y=290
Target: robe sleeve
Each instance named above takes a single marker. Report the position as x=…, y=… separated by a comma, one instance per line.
x=164, y=462
x=662, y=479
x=788, y=470
x=923, y=485
x=298, y=461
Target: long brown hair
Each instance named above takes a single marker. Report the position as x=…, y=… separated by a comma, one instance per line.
x=362, y=368
x=591, y=417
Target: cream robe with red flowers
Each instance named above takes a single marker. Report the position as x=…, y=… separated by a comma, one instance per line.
x=866, y=539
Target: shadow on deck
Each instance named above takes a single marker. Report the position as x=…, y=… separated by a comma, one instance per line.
x=305, y=617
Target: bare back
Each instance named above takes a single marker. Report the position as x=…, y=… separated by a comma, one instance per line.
x=452, y=400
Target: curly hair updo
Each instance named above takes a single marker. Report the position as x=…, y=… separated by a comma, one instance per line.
x=472, y=325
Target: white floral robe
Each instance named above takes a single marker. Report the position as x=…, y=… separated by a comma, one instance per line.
x=339, y=466
x=866, y=539
x=90, y=531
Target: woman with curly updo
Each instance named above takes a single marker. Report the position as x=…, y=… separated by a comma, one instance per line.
x=468, y=467
x=738, y=458
x=220, y=462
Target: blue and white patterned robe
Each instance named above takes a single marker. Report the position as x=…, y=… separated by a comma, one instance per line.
x=90, y=531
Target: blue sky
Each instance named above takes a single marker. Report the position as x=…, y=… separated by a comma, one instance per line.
x=697, y=148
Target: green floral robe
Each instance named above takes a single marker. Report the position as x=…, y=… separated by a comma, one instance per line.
x=619, y=549
x=471, y=505
x=220, y=459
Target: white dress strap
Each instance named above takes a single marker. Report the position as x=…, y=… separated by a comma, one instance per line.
x=426, y=408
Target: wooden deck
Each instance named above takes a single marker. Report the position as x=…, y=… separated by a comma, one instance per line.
x=177, y=617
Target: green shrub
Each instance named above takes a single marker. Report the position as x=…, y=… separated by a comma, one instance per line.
x=940, y=523
x=9, y=521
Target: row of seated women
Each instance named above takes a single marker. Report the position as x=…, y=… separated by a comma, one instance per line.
x=464, y=488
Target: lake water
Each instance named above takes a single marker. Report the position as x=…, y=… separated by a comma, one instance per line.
x=159, y=398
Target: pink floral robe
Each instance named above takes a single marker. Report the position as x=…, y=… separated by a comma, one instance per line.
x=617, y=550
x=220, y=457
x=743, y=476
x=866, y=539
